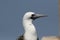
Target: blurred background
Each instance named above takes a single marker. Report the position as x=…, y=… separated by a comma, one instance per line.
x=12, y=11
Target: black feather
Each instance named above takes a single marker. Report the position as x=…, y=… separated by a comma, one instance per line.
x=21, y=38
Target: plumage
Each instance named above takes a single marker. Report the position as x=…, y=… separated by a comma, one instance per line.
x=21, y=37
x=30, y=31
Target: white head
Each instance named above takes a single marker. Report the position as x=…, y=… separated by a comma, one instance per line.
x=32, y=16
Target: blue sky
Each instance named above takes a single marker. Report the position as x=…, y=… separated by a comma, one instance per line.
x=12, y=11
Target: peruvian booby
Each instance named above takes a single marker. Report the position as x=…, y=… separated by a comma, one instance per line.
x=30, y=31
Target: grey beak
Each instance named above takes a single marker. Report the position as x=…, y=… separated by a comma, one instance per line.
x=35, y=16
x=41, y=15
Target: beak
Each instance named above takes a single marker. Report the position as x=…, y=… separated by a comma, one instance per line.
x=35, y=16
x=40, y=15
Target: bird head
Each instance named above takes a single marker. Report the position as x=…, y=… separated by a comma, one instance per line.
x=33, y=16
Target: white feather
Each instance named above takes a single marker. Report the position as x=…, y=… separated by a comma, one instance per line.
x=30, y=31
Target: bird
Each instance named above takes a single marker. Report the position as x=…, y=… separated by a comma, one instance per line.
x=30, y=32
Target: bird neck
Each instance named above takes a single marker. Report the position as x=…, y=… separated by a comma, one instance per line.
x=30, y=31
x=28, y=26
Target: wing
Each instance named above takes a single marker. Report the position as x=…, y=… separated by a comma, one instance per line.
x=21, y=38
x=37, y=38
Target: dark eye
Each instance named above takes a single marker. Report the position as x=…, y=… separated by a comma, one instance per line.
x=33, y=15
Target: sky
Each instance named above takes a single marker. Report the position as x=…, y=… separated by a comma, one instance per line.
x=12, y=11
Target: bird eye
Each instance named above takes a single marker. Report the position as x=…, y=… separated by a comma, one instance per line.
x=33, y=15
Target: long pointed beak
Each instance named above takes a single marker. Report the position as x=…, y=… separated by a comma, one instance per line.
x=40, y=15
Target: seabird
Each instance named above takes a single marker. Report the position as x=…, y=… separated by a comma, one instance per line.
x=30, y=31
